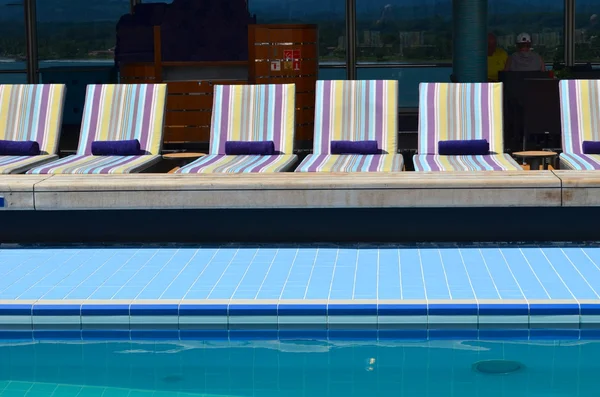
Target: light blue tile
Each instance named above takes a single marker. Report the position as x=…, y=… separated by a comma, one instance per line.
x=81, y=292
x=341, y=294
x=546, y=274
x=221, y=294
x=245, y=294
x=34, y=293
x=17, y=283
x=570, y=274
x=58, y=293
x=483, y=284
x=366, y=279
x=293, y=293
x=526, y=278
x=504, y=279
x=584, y=260
x=411, y=274
x=149, y=294
x=436, y=285
x=268, y=295
x=459, y=282
x=343, y=281
x=173, y=294
x=413, y=293
x=127, y=293
x=199, y=294
x=105, y=293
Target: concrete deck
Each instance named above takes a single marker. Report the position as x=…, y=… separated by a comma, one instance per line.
x=427, y=291
x=296, y=190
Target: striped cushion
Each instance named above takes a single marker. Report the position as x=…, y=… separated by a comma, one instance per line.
x=580, y=162
x=32, y=113
x=352, y=163
x=459, y=111
x=123, y=112
x=356, y=111
x=220, y=163
x=580, y=113
x=253, y=113
x=499, y=162
x=97, y=165
x=20, y=164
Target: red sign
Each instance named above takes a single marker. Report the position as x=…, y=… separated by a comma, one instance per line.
x=296, y=59
x=291, y=59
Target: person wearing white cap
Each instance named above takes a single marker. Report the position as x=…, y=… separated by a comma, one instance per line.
x=524, y=60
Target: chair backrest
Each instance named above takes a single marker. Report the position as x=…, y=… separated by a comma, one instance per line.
x=32, y=112
x=253, y=113
x=460, y=111
x=356, y=111
x=115, y=112
x=580, y=113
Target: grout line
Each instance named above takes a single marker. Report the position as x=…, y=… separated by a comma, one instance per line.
x=266, y=274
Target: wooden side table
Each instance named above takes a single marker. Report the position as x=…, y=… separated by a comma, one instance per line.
x=182, y=158
x=535, y=158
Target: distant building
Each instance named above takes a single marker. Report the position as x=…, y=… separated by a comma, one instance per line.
x=543, y=39
x=411, y=39
x=371, y=38
x=581, y=36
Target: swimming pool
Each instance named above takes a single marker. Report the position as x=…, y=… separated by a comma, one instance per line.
x=294, y=369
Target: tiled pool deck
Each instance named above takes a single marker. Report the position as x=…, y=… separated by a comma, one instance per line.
x=426, y=291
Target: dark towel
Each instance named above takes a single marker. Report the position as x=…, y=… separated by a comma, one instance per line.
x=116, y=148
x=263, y=148
x=354, y=147
x=19, y=148
x=591, y=147
x=467, y=147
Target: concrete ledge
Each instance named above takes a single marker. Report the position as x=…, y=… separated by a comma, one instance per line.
x=296, y=190
x=580, y=188
x=16, y=191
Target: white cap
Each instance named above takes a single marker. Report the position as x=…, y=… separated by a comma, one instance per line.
x=523, y=38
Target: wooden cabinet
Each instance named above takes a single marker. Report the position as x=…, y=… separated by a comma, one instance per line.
x=277, y=54
x=287, y=54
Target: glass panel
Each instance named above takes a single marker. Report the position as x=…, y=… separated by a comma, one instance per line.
x=74, y=31
x=587, y=31
x=401, y=33
x=328, y=14
x=13, y=49
x=76, y=42
x=404, y=31
x=329, y=73
x=543, y=20
x=408, y=80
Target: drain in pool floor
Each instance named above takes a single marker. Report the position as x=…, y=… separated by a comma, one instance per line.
x=498, y=367
x=172, y=378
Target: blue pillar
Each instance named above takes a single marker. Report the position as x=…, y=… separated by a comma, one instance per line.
x=469, y=39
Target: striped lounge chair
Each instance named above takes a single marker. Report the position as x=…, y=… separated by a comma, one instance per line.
x=580, y=114
x=111, y=113
x=250, y=113
x=462, y=111
x=31, y=113
x=355, y=111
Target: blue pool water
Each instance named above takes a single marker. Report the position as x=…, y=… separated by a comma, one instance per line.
x=295, y=369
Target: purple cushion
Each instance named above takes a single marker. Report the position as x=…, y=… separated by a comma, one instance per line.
x=263, y=148
x=354, y=147
x=19, y=148
x=473, y=147
x=116, y=148
x=591, y=147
